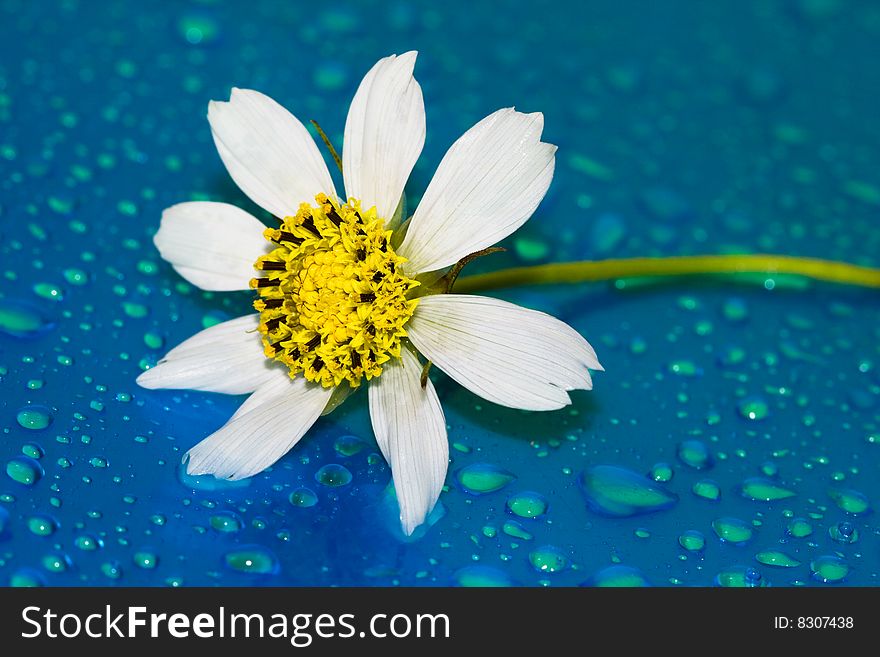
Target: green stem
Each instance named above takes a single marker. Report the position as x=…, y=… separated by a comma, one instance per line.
x=600, y=270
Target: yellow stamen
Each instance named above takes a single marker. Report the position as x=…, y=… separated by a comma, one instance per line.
x=333, y=300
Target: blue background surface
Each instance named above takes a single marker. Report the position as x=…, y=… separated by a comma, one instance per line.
x=683, y=127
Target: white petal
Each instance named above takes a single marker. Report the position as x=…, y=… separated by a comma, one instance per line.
x=384, y=134
x=226, y=358
x=268, y=152
x=487, y=185
x=411, y=431
x=212, y=245
x=502, y=352
x=276, y=416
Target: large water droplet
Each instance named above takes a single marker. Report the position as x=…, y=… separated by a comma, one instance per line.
x=618, y=492
x=303, y=497
x=844, y=532
x=732, y=530
x=24, y=470
x=482, y=478
x=851, y=501
x=764, y=490
x=253, y=560
x=226, y=522
x=527, y=504
x=34, y=417
x=20, y=320
x=829, y=569
x=776, y=558
x=333, y=475
x=695, y=454
x=548, y=559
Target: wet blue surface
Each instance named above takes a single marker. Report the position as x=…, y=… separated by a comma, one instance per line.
x=736, y=431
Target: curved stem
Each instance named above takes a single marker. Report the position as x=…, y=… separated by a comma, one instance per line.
x=600, y=270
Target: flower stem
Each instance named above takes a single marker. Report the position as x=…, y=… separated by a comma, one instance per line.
x=700, y=265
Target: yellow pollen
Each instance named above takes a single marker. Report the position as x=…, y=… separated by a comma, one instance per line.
x=333, y=301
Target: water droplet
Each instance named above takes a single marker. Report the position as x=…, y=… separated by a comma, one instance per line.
x=516, y=530
x=49, y=291
x=482, y=478
x=844, y=532
x=692, y=540
x=42, y=525
x=24, y=470
x=548, y=559
x=764, y=490
x=303, y=497
x=739, y=577
x=56, y=563
x=482, y=577
x=695, y=454
x=735, y=310
x=112, y=569
x=333, y=475
x=34, y=418
x=776, y=558
x=527, y=504
x=618, y=576
x=732, y=530
x=26, y=578
x=146, y=559
x=684, y=368
x=349, y=445
x=20, y=320
x=88, y=543
x=850, y=501
x=618, y=492
x=226, y=522
x=253, y=560
x=753, y=408
x=829, y=569
x=799, y=527
x=707, y=489
x=662, y=473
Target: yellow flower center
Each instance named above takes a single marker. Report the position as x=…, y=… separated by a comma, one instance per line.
x=333, y=302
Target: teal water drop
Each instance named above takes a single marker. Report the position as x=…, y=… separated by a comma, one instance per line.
x=829, y=569
x=618, y=492
x=707, y=489
x=483, y=478
x=333, y=475
x=303, y=497
x=548, y=559
x=42, y=525
x=527, y=504
x=695, y=454
x=764, y=490
x=732, y=530
x=844, y=532
x=24, y=470
x=850, y=501
x=226, y=522
x=799, y=527
x=252, y=560
x=34, y=418
x=692, y=540
x=776, y=558
x=146, y=559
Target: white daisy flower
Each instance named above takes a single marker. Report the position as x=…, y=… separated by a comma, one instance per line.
x=341, y=300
